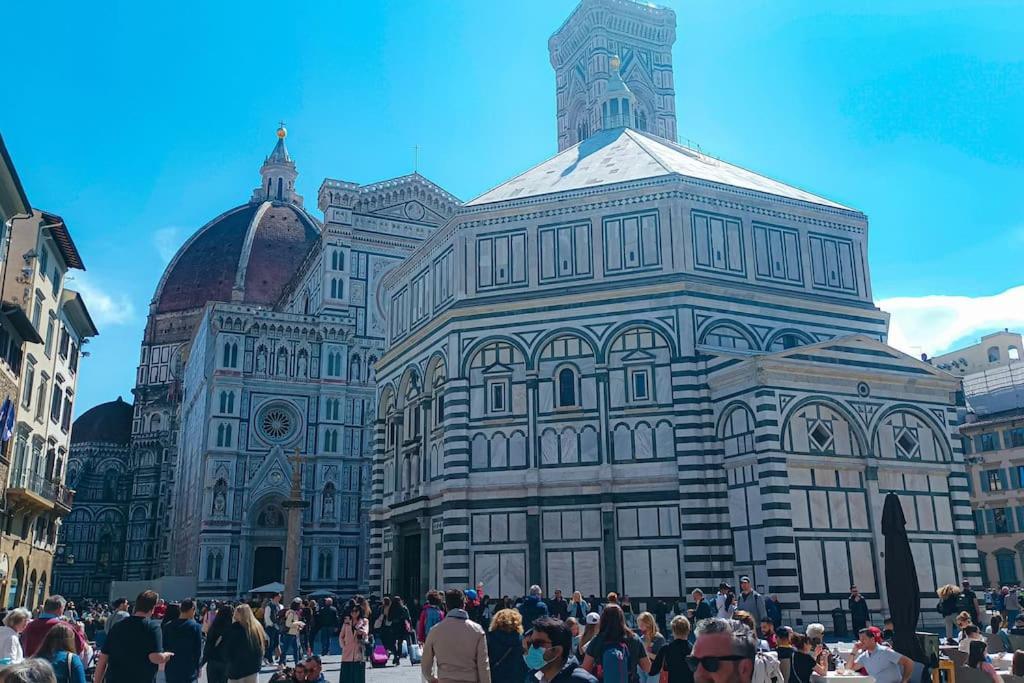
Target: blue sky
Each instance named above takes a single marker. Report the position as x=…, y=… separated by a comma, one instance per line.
x=138, y=122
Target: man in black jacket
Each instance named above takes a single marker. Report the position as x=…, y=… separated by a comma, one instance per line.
x=558, y=607
x=859, y=614
x=327, y=624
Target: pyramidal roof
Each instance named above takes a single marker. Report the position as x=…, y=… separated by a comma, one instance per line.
x=621, y=155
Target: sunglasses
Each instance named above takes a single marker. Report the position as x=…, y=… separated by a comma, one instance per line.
x=710, y=664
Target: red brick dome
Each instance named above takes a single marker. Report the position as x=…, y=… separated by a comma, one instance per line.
x=247, y=254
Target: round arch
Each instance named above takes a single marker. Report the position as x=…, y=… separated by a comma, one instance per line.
x=411, y=377
x=938, y=428
x=478, y=345
x=731, y=325
x=856, y=430
x=805, y=339
x=538, y=346
x=615, y=332
x=727, y=412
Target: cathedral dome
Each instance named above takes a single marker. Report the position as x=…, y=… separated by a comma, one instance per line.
x=109, y=422
x=247, y=254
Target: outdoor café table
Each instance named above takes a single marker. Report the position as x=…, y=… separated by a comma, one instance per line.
x=836, y=677
x=1002, y=661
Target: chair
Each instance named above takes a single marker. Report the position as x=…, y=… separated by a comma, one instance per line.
x=965, y=674
x=959, y=658
x=1017, y=642
x=995, y=644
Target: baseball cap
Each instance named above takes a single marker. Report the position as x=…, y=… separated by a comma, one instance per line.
x=593, y=618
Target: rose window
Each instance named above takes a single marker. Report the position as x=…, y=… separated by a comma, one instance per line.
x=277, y=423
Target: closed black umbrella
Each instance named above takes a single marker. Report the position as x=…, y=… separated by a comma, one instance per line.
x=901, y=580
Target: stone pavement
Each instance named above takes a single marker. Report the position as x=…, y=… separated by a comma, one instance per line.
x=332, y=672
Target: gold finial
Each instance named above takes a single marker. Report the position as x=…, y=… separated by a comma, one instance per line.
x=614, y=62
x=282, y=132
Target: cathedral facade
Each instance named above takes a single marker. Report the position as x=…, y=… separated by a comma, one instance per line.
x=639, y=368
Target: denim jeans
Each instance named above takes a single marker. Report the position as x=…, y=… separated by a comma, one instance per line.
x=327, y=636
x=273, y=640
x=289, y=643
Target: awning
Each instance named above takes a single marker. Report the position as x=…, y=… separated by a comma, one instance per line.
x=19, y=321
x=12, y=195
x=62, y=238
x=274, y=587
x=72, y=303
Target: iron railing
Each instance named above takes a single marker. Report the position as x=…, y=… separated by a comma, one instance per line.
x=24, y=478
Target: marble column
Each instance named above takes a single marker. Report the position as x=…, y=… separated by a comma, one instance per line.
x=294, y=506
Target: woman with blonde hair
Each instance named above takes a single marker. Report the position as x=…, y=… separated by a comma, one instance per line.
x=246, y=643
x=650, y=635
x=505, y=647
x=578, y=607
x=948, y=597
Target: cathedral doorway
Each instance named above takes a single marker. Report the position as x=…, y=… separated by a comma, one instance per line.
x=408, y=583
x=267, y=565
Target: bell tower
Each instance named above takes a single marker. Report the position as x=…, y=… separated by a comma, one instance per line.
x=278, y=174
x=637, y=39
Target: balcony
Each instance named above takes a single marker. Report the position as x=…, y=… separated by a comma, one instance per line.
x=31, y=490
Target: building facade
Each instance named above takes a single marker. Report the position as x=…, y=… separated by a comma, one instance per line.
x=261, y=339
x=39, y=254
x=992, y=352
x=91, y=547
x=638, y=368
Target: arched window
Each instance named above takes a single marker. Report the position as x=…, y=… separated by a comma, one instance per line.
x=726, y=337
x=280, y=189
x=323, y=564
x=155, y=422
x=566, y=388
x=110, y=484
x=993, y=354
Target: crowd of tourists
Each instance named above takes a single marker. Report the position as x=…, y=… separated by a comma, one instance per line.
x=468, y=636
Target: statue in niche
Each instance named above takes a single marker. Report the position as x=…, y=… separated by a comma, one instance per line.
x=327, y=508
x=261, y=360
x=220, y=498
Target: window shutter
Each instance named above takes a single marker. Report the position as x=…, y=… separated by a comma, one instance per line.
x=1015, y=477
x=978, y=448
x=1020, y=518
x=979, y=521
x=984, y=481
x=1002, y=479
x=990, y=521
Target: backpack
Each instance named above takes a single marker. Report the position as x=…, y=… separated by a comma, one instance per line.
x=963, y=604
x=433, y=618
x=766, y=668
x=615, y=663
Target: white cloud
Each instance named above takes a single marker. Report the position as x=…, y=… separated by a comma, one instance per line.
x=104, y=307
x=167, y=240
x=932, y=324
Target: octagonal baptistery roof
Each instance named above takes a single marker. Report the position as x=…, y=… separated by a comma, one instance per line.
x=109, y=422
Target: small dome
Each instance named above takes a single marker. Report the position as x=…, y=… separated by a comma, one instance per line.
x=247, y=254
x=109, y=422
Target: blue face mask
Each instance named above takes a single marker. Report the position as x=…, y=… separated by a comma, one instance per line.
x=534, y=658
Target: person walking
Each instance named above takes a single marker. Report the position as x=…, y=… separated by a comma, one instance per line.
x=549, y=654
x=15, y=622
x=58, y=649
x=558, y=607
x=858, y=606
x=183, y=636
x=271, y=618
x=578, y=607
x=399, y=627
x=327, y=623
x=215, y=654
x=750, y=601
x=672, y=657
x=134, y=648
x=533, y=607
x=616, y=649
x=505, y=647
x=51, y=615
x=352, y=638
x=247, y=643
x=290, y=636
x=430, y=616
x=120, y=612
x=457, y=646
x=948, y=602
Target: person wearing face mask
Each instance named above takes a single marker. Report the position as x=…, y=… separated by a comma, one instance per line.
x=547, y=650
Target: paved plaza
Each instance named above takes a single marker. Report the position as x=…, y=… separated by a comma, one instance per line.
x=332, y=672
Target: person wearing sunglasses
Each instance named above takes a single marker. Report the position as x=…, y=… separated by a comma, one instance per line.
x=547, y=650
x=724, y=652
